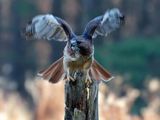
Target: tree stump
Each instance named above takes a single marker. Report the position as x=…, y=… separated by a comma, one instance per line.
x=81, y=98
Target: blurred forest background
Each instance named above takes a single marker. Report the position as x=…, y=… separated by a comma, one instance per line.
x=131, y=53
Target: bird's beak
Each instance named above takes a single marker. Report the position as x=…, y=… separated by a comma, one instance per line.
x=74, y=46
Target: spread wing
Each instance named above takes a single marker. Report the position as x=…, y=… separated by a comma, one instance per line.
x=104, y=24
x=48, y=27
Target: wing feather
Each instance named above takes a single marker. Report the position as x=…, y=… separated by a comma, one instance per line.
x=48, y=27
x=104, y=24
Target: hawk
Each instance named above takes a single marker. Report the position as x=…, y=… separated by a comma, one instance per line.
x=78, y=53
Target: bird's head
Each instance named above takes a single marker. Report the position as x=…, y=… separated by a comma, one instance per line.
x=82, y=46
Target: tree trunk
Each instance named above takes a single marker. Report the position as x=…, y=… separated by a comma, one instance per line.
x=81, y=98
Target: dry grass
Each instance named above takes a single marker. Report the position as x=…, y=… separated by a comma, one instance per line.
x=50, y=103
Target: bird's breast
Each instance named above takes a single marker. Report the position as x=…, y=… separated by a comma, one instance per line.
x=81, y=59
x=81, y=63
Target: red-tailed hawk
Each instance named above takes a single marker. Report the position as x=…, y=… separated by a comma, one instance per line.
x=79, y=50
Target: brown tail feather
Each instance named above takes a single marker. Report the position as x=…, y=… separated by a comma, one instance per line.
x=94, y=74
x=54, y=73
x=57, y=74
x=97, y=72
x=45, y=71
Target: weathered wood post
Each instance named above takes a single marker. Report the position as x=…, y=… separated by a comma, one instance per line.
x=81, y=99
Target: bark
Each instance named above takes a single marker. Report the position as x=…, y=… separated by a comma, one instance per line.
x=81, y=98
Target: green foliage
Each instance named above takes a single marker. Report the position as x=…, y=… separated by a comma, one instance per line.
x=136, y=57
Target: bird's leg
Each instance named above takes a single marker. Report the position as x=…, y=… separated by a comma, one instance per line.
x=88, y=80
x=69, y=77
